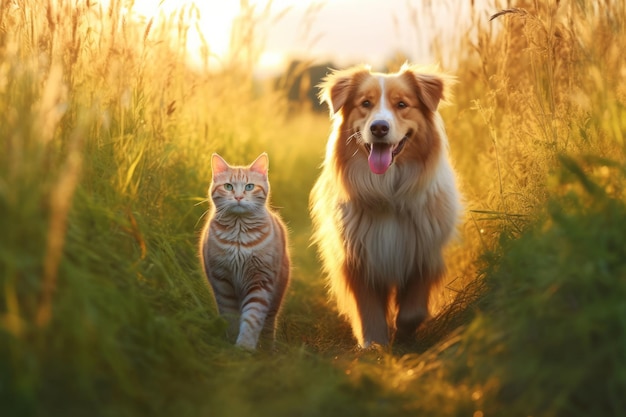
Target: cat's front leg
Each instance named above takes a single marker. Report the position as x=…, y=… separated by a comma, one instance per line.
x=255, y=307
x=226, y=300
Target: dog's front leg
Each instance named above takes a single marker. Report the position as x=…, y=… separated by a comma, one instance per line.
x=412, y=300
x=371, y=306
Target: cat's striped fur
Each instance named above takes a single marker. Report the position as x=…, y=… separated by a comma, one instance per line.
x=244, y=251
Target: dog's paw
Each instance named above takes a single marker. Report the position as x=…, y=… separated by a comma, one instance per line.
x=372, y=348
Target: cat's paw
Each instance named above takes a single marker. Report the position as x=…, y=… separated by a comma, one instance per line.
x=246, y=343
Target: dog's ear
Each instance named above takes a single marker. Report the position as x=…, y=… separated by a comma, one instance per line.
x=431, y=86
x=336, y=88
x=430, y=89
x=334, y=91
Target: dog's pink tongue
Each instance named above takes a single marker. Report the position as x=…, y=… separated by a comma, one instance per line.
x=380, y=158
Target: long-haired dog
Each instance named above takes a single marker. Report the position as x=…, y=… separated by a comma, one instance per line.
x=386, y=201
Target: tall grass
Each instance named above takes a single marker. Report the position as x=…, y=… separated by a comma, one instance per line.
x=537, y=81
x=105, y=136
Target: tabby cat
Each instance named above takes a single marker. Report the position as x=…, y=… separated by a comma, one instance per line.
x=244, y=251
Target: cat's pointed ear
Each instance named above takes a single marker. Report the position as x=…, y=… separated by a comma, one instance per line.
x=218, y=164
x=261, y=164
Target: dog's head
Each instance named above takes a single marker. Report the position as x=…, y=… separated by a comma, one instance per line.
x=386, y=114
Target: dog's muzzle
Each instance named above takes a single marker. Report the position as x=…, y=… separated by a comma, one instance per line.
x=381, y=153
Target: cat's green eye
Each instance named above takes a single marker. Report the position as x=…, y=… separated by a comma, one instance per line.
x=228, y=187
x=249, y=187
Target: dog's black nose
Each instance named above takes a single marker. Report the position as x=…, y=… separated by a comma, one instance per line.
x=379, y=128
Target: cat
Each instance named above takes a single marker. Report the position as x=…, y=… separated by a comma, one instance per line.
x=244, y=251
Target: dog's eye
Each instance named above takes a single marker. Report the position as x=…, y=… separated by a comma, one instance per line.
x=402, y=105
x=366, y=103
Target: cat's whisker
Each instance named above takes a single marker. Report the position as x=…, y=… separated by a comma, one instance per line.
x=203, y=215
x=221, y=215
x=203, y=201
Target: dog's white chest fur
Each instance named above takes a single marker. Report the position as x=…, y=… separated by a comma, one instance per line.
x=384, y=245
x=390, y=244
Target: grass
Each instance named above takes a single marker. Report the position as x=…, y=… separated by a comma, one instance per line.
x=105, y=139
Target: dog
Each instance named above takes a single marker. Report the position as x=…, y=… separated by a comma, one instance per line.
x=386, y=201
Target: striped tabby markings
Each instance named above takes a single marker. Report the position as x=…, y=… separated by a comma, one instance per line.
x=244, y=251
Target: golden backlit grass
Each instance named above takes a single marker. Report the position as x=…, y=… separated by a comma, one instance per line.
x=105, y=138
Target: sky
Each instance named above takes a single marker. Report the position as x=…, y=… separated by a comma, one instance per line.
x=363, y=31
x=344, y=32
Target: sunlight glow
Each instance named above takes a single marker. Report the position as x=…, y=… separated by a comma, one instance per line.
x=210, y=21
x=278, y=30
x=210, y=25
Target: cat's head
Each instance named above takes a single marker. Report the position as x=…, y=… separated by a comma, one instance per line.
x=239, y=189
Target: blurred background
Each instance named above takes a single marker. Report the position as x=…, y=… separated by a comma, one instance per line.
x=110, y=111
x=341, y=31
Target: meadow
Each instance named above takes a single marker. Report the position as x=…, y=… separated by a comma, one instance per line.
x=105, y=143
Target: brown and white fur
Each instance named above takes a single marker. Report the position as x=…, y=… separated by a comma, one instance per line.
x=244, y=251
x=386, y=201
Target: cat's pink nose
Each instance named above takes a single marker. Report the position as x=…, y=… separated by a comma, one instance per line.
x=238, y=197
